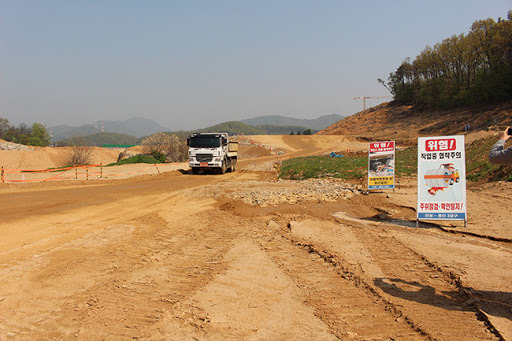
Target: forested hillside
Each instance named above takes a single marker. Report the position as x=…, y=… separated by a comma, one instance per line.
x=465, y=69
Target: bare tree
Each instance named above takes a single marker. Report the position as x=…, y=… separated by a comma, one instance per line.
x=81, y=153
x=165, y=144
x=122, y=155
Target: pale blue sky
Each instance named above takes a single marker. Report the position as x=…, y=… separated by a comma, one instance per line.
x=190, y=64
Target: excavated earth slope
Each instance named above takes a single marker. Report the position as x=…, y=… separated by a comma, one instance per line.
x=403, y=123
x=239, y=256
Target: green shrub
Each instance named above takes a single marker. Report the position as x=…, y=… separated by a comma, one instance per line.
x=142, y=158
x=158, y=156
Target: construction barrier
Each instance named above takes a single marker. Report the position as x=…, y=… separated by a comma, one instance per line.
x=66, y=173
x=59, y=176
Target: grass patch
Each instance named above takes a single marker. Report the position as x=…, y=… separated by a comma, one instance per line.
x=343, y=167
x=478, y=168
x=323, y=166
x=406, y=161
x=136, y=159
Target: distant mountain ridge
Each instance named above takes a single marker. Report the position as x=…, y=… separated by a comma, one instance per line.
x=137, y=127
x=237, y=127
x=319, y=123
x=141, y=127
x=100, y=139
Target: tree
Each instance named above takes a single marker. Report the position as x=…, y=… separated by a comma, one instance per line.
x=81, y=153
x=463, y=69
x=39, y=135
x=306, y=132
x=20, y=134
x=164, y=144
x=381, y=81
x=4, y=127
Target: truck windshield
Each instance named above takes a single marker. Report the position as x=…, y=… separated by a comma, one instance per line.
x=205, y=142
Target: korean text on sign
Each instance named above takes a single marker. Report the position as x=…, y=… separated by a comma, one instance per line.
x=440, y=145
x=382, y=147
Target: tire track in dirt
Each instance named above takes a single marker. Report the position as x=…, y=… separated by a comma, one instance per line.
x=418, y=288
x=119, y=279
x=252, y=299
x=350, y=311
x=165, y=270
x=430, y=297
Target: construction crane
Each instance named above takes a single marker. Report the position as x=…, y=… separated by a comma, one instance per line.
x=366, y=97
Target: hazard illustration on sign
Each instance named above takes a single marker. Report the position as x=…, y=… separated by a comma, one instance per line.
x=381, y=165
x=441, y=178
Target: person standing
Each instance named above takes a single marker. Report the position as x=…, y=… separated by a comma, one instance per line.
x=498, y=153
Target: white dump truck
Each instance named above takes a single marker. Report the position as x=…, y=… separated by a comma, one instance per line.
x=212, y=151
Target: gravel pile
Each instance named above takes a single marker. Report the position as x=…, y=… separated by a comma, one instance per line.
x=4, y=145
x=270, y=166
x=263, y=194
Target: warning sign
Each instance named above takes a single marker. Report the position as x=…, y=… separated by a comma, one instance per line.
x=381, y=165
x=441, y=178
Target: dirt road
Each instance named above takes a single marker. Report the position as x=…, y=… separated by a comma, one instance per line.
x=209, y=257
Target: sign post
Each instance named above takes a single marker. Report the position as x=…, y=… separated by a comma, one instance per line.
x=381, y=165
x=441, y=179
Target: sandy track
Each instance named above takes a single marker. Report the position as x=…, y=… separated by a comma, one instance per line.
x=166, y=257
x=308, y=144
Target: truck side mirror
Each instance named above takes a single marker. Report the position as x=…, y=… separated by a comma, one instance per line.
x=188, y=142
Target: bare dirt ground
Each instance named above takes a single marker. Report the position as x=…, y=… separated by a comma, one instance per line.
x=174, y=256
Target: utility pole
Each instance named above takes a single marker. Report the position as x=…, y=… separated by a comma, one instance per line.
x=366, y=97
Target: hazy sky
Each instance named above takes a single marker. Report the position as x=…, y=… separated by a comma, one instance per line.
x=190, y=64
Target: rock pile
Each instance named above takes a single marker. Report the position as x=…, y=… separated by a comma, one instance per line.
x=4, y=145
x=270, y=166
x=263, y=193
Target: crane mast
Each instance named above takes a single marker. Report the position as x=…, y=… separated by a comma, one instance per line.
x=364, y=98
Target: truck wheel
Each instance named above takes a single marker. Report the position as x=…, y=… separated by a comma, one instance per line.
x=233, y=165
x=224, y=167
x=195, y=170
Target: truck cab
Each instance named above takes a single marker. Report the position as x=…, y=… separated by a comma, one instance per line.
x=212, y=151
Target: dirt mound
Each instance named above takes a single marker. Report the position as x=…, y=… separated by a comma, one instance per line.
x=51, y=157
x=250, y=151
x=404, y=123
x=307, y=143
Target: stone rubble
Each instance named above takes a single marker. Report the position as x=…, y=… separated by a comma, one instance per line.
x=4, y=145
x=264, y=193
x=270, y=166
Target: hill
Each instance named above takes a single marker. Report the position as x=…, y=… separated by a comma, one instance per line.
x=62, y=132
x=137, y=126
x=134, y=126
x=100, y=139
x=281, y=130
x=237, y=127
x=232, y=127
x=277, y=120
x=404, y=123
